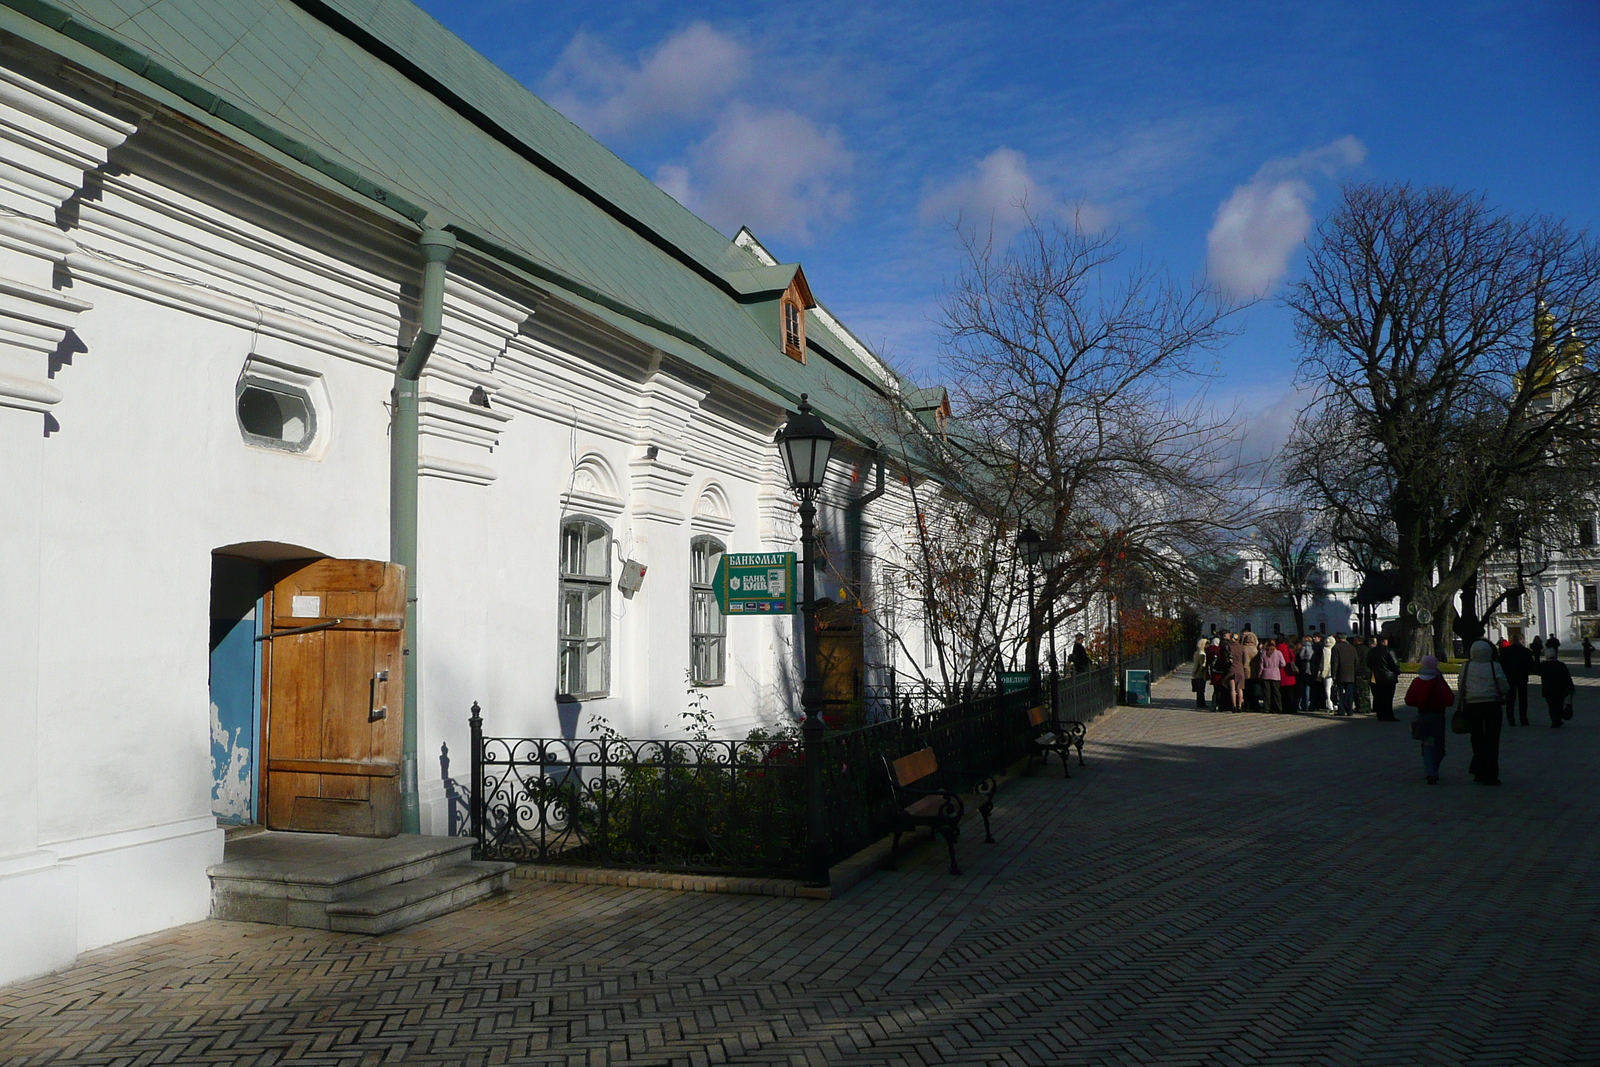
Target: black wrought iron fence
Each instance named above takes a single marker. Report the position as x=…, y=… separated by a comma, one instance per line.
x=1085, y=695
x=1158, y=661
x=731, y=807
x=734, y=807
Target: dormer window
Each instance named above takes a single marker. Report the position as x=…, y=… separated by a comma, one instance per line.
x=792, y=307
x=794, y=328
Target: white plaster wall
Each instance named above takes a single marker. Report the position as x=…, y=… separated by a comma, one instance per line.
x=105, y=774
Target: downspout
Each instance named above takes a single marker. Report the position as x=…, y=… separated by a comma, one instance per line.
x=852, y=533
x=437, y=245
x=852, y=526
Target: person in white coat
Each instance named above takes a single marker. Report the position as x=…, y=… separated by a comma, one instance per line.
x=1482, y=688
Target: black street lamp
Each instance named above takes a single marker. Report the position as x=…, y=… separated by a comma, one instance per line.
x=1032, y=547
x=804, y=442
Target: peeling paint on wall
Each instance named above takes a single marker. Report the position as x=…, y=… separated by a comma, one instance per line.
x=230, y=766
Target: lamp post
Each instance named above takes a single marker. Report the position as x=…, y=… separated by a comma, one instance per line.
x=804, y=442
x=1031, y=546
x=1055, y=682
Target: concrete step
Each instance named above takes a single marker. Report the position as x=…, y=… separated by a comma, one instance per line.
x=327, y=867
x=382, y=910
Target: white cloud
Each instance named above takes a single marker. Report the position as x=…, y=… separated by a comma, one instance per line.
x=685, y=77
x=775, y=171
x=999, y=193
x=674, y=179
x=1264, y=221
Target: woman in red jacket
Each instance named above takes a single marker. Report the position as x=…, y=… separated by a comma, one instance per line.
x=1430, y=694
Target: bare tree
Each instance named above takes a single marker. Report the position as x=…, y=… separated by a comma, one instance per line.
x=1445, y=339
x=1292, y=541
x=1066, y=416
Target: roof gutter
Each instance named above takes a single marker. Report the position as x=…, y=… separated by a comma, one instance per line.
x=437, y=247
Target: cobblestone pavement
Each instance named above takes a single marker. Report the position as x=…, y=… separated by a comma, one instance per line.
x=1213, y=889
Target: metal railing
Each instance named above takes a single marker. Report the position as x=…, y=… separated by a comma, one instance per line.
x=1158, y=661
x=728, y=807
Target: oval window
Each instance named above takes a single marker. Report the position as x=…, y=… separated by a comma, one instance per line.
x=275, y=415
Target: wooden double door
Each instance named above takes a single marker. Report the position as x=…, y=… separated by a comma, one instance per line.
x=333, y=697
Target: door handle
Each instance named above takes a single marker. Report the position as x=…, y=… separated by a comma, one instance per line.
x=374, y=713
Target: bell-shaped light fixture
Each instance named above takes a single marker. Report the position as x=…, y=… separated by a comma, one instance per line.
x=1032, y=546
x=805, y=441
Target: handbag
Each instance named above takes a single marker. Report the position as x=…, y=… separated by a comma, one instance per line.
x=1461, y=722
x=1566, y=709
x=1417, y=732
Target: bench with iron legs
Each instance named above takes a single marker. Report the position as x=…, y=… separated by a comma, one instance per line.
x=922, y=798
x=1060, y=736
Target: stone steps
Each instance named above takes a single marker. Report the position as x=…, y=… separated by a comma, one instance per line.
x=380, y=911
x=360, y=885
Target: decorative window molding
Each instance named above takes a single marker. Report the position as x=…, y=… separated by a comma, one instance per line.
x=712, y=511
x=708, y=628
x=583, y=667
x=594, y=487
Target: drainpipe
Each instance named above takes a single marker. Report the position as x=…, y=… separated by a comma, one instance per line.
x=437, y=245
x=852, y=530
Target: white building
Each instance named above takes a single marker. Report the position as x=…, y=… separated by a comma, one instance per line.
x=1561, y=590
x=215, y=221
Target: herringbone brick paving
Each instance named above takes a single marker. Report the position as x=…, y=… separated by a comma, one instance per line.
x=1211, y=890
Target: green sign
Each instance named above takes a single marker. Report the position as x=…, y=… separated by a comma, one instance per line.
x=1137, y=686
x=756, y=583
x=1015, y=681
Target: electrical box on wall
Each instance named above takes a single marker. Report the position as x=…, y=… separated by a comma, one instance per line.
x=631, y=578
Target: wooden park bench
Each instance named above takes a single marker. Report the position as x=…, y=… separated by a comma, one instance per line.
x=1056, y=735
x=922, y=798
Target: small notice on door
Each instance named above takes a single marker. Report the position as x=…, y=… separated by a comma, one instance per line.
x=305, y=607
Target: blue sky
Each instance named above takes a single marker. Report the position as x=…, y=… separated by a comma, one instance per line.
x=1209, y=135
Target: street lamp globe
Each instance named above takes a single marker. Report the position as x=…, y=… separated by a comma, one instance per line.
x=1032, y=546
x=804, y=442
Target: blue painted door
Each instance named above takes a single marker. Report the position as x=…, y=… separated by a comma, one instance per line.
x=235, y=716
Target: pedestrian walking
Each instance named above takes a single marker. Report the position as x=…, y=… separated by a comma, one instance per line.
x=1519, y=662
x=1080, y=655
x=1363, y=676
x=1271, y=678
x=1555, y=643
x=1385, y=670
x=1536, y=646
x=1481, y=687
x=1430, y=694
x=1344, y=659
x=1200, y=674
x=1588, y=653
x=1556, y=685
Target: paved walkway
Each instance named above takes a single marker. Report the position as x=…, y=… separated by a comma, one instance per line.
x=1213, y=889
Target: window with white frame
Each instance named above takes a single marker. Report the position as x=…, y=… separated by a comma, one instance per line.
x=1591, y=598
x=584, y=668
x=708, y=628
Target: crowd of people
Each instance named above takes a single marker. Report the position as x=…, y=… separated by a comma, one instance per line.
x=1345, y=674
x=1355, y=675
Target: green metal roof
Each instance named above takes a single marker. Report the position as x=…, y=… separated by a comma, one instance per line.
x=381, y=99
